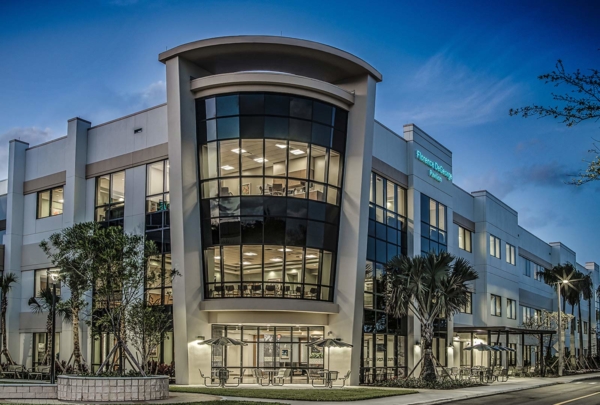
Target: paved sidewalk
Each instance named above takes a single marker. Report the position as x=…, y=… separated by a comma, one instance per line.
x=426, y=397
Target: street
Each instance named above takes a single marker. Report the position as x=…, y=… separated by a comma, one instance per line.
x=582, y=392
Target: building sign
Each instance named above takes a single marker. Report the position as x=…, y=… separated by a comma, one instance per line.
x=436, y=171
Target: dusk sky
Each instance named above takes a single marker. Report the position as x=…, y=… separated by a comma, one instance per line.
x=452, y=68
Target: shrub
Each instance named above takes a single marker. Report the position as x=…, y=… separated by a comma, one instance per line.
x=439, y=384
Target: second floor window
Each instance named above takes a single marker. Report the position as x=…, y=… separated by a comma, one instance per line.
x=494, y=246
x=496, y=305
x=110, y=198
x=510, y=254
x=468, y=308
x=511, y=309
x=50, y=202
x=464, y=239
x=433, y=226
x=45, y=278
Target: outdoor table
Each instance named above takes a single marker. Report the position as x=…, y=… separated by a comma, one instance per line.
x=223, y=376
x=271, y=375
x=330, y=377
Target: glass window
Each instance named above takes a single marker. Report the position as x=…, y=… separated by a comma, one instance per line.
x=464, y=239
x=496, y=305
x=468, y=307
x=46, y=278
x=494, y=246
x=276, y=158
x=511, y=309
x=209, y=161
x=50, y=202
x=110, y=198
x=253, y=157
x=510, y=254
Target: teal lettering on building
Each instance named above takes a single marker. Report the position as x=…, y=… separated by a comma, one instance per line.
x=436, y=171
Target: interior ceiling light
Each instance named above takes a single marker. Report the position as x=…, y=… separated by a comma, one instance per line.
x=260, y=160
x=249, y=254
x=227, y=167
x=246, y=263
x=218, y=257
x=281, y=145
x=311, y=256
x=286, y=249
x=238, y=150
x=276, y=259
x=297, y=152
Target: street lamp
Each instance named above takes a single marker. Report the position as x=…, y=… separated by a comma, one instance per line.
x=54, y=277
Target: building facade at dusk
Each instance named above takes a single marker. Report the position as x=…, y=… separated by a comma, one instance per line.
x=266, y=181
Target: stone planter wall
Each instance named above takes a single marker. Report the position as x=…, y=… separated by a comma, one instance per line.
x=27, y=391
x=98, y=389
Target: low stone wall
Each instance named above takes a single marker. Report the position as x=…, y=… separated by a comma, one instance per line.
x=118, y=389
x=28, y=391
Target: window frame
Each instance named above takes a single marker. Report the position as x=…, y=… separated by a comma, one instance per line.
x=495, y=304
x=510, y=254
x=495, y=243
x=468, y=308
x=48, y=270
x=511, y=309
x=50, y=202
x=465, y=232
x=110, y=221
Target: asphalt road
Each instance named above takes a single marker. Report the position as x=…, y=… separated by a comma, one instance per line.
x=578, y=393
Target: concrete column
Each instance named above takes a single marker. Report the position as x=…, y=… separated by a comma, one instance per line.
x=13, y=240
x=352, y=244
x=75, y=187
x=188, y=321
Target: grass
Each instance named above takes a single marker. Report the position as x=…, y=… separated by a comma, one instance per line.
x=311, y=394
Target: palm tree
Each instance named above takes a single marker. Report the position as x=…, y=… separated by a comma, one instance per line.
x=431, y=287
x=6, y=284
x=43, y=303
x=586, y=287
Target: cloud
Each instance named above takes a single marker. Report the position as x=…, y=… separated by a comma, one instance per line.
x=31, y=135
x=448, y=92
x=541, y=217
x=501, y=184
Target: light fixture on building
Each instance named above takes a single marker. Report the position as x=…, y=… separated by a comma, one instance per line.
x=200, y=338
x=238, y=150
x=297, y=152
x=227, y=167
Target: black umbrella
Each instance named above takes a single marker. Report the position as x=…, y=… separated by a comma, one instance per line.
x=328, y=343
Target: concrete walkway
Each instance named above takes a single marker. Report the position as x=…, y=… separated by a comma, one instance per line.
x=426, y=397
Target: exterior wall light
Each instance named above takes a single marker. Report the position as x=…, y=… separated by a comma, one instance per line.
x=200, y=338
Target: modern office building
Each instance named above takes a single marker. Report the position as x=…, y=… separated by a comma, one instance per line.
x=266, y=181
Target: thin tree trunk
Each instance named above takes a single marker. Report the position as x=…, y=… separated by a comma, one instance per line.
x=76, y=344
x=50, y=341
x=427, y=340
x=590, y=327
x=5, y=351
x=580, y=330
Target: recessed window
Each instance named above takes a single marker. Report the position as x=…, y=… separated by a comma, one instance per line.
x=110, y=198
x=50, y=202
x=495, y=246
x=468, y=307
x=433, y=226
x=510, y=254
x=45, y=278
x=496, y=305
x=511, y=309
x=464, y=239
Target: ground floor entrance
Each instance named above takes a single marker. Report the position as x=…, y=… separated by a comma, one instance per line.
x=269, y=348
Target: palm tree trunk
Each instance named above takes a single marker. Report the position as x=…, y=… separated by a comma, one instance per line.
x=580, y=330
x=5, y=351
x=427, y=340
x=590, y=327
x=49, y=342
x=76, y=344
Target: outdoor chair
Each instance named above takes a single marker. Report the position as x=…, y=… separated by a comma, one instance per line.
x=503, y=376
x=455, y=372
x=238, y=378
x=518, y=372
x=39, y=372
x=260, y=376
x=344, y=379
x=317, y=375
x=279, y=379
x=210, y=379
x=14, y=371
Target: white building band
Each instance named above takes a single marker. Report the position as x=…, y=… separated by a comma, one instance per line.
x=266, y=181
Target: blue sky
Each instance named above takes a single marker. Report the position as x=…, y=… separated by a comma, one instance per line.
x=452, y=68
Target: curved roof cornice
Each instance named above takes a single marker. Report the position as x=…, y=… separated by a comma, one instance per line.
x=272, y=53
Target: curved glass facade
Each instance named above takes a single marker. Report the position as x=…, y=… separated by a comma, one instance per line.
x=271, y=170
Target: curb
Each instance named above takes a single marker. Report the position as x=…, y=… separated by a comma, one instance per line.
x=482, y=395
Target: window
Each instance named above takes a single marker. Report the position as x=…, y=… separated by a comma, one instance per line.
x=158, y=224
x=585, y=327
x=539, y=271
x=464, y=239
x=496, y=305
x=494, y=246
x=50, y=202
x=511, y=309
x=527, y=267
x=510, y=254
x=433, y=226
x=43, y=278
x=110, y=198
x=530, y=314
x=468, y=309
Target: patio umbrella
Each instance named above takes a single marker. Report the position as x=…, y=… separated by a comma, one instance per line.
x=328, y=343
x=223, y=341
x=481, y=348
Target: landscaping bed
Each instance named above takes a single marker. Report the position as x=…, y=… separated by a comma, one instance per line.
x=445, y=384
x=309, y=394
